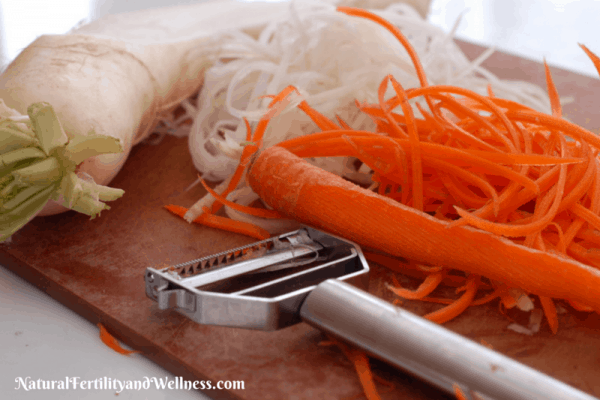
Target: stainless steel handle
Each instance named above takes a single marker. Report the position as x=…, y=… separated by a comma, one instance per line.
x=424, y=348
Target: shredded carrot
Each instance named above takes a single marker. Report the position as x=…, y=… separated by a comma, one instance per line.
x=361, y=365
x=226, y=224
x=550, y=312
x=113, y=343
x=460, y=395
x=554, y=98
x=453, y=310
x=580, y=307
x=428, y=286
x=258, y=212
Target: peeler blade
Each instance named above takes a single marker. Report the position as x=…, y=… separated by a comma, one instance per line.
x=258, y=286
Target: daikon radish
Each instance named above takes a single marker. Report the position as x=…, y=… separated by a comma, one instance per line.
x=73, y=105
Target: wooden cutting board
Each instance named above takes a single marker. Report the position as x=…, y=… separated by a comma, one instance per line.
x=96, y=268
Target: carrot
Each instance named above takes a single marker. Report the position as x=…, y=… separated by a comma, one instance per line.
x=550, y=312
x=595, y=59
x=324, y=200
x=457, y=307
x=429, y=284
x=111, y=342
x=361, y=364
x=215, y=221
x=458, y=392
x=248, y=210
x=554, y=98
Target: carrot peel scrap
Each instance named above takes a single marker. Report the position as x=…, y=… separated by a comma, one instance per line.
x=111, y=342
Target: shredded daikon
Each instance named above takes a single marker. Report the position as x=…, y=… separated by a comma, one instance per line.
x=332, y=59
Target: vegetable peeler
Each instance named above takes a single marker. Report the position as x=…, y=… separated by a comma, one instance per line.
x=311, y=276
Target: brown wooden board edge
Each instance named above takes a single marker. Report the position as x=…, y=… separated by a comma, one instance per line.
x=120, y=331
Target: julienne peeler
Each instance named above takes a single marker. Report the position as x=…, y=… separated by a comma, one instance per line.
x=311, y=276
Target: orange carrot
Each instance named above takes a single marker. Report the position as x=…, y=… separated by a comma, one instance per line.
x=429, y=284
x=458, y=392
x=113, y=343
x=258, y=212
x=456, y=308
x=554, y=98
x=361, y=364
x=595, y=59
x=215, y=221
x=550, y=312
x=324, y=200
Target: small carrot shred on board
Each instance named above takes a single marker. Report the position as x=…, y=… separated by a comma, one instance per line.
x=113, y=343
x=361, y=364
x=429, y=284
x=460, y=395
x=226, y=224
x=258, y=212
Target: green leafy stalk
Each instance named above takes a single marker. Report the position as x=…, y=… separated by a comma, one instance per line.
x=38, y=163
x=28, y=153
x=12, y=138
x=47, y=127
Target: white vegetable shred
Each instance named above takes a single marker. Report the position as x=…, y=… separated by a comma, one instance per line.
x=332, y=59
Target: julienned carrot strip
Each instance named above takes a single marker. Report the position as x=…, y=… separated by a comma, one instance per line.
x=412, y=270
x=342, y=123
x=467, y=137
x=357, y=12
x=396, y=131
x=322, y=121
x=585, y=214
x=336, y=146
x=579, y=306
x=257, y=212
x=455, y=106
x=548, y=121
x=113, y=343
x=226, y=224
x=489, y=297
x=415, y=146
x=324, y=200
x=511, y=198
x=429, y=285
x=493, y=108
x=553, y=94
x=361, y=364
x=253, y=138
x=582, y=185
x=463, y=198
x=239, y=172
x=456, y=308
x=592, y=57
x=465, y=157
x=523, y=230
x=550, y=312
x=458, y=391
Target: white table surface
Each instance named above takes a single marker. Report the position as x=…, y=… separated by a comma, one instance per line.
x=42, y=339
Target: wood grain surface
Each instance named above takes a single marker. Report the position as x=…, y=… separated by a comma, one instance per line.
x=96, y=268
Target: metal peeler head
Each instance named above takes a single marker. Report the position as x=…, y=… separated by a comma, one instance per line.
x=258, y=286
